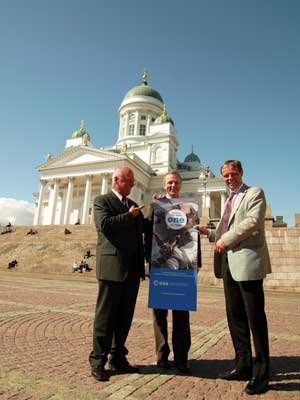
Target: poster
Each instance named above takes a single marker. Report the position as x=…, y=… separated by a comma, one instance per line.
x=174, y=255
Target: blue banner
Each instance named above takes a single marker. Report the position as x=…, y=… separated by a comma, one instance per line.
x=173, y=290
x=174, y=255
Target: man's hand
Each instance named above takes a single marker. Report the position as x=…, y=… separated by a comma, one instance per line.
x=158, y=196
x=202, y=229
x=136, y=211
x=220, y=247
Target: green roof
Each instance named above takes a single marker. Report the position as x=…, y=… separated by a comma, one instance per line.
x=80, y=132
x=144, y=90
x=192, y=158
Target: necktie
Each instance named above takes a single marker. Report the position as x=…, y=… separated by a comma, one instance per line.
x=226, y=214
x=124, y=201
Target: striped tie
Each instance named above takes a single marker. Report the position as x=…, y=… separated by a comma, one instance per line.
x=226, y=214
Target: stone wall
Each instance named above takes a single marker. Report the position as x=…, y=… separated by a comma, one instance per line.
x=52, y=252
x=284, y=248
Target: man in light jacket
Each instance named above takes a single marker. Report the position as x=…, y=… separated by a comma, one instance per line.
x=241, y=258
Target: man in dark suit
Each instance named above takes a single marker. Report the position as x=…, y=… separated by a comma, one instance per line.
x=119, y=268
x=242, y=260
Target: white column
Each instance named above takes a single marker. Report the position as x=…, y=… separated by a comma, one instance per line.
x=148, y=124
x=120, y=126
x=223, y=201
x=37, y=215
x=139, y=193
x=136, y=123
x=68, y=201
x=203, y=200
x=92, y=215
x=87, y=198
x=126, y=124
x=104, y=184
x=53, y=200
x=207, y=202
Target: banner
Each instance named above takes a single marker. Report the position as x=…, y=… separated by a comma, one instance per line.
x=174, y=255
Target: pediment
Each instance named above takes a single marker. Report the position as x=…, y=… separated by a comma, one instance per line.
x=86, y=158
x=80, y=155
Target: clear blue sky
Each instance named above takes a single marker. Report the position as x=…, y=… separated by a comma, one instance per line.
x=228, y=72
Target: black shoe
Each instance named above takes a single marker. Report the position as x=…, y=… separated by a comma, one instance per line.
x=237, y=375
x=163, y=364
x=182, y=368
x=100, y=373
x=122, y=367
x=257, y=386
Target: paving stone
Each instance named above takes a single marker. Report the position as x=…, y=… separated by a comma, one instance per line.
x=46, y=335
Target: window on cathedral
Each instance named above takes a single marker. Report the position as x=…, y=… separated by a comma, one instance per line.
x=143, y=117
x=131, y=117
x=131, y=130
x=152, y=119
x=142, y=130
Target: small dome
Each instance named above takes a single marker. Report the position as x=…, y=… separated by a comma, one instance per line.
x=80, y=132
x=163, y=118
x=192, y=157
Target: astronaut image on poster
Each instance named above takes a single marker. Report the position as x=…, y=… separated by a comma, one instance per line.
x=174, y=242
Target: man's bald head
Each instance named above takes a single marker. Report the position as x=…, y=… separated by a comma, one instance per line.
x=123, y=180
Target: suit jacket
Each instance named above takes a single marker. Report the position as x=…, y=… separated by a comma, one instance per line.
x=248, y=256
x=120, y=241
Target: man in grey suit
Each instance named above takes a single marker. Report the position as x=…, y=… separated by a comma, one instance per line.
x=119, y=268
x=242, y=260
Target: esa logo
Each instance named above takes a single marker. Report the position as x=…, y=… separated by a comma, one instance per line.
x=176, y=219
x=160, y=283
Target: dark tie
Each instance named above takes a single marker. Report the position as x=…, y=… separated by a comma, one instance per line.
x=226, y=214
x=124, y=201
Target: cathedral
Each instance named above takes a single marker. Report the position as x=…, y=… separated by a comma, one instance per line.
x=147, y=143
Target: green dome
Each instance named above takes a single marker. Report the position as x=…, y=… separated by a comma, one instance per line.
x=144, y=90
x=192, y=158
x=80, y=132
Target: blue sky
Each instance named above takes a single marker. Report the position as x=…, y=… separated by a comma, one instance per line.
x=228, y=72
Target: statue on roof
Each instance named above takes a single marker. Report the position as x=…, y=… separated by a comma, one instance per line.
x=145, y=77
x=85, y=139
x=124, y=148
x=48, y=157
x=164, y=110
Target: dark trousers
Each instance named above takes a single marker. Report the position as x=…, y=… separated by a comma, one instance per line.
x=114, y=312
x=181, y=335
x=245, y=305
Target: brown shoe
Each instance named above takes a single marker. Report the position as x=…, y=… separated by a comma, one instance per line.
x=100, y=373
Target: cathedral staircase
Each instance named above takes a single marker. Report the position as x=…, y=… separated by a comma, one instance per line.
x=50, y=250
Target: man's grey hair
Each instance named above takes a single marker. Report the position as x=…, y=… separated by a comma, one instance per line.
x=173, y=172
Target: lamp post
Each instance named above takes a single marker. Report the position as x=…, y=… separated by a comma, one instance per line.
x=205, y=211
x=204, y=177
